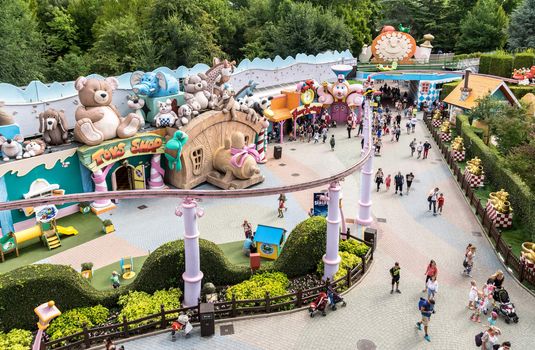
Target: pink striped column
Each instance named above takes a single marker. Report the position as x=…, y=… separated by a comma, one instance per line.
x=99, y=178
x=261, y=142
x=364, y=217
x=156, y=173
x=192, y=276
x=331, y=259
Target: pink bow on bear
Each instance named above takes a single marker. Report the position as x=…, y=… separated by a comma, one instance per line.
x=239, y=155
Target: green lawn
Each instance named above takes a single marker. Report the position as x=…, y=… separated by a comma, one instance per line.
x=89, y=227
x=101, y=277
x=233, y=252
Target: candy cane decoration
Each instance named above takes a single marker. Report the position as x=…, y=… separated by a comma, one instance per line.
x=99, y=178
x=261, y=142
x=156, y=173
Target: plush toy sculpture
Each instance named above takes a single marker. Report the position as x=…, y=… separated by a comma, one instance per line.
x=247, y=90
x=166, y=116
x=173, y=149
x=97, y=119
x=137, y=104
x=246, y=106
x=197, y=94
x=219, y=74
x=227, y=104
x=5, y=119
x=153, y=84
x=53, y=126
x=185, y=114
x=33, y=148
x=11, y=148
x=340, y=91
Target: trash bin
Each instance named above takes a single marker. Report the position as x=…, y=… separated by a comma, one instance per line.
x=277, y=152
x=370, y=236
x=207, y=319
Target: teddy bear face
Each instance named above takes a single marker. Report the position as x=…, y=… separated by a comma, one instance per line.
x=165, y=107
x=94, y=92
x=228, y=92
x=194, y=83
x=50, y=119
x=185, y=111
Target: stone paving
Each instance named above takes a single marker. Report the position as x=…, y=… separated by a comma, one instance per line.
x=410, y=235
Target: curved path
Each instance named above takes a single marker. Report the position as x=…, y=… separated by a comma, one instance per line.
x=410, y=235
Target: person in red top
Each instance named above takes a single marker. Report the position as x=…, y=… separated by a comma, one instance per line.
x=430, y=272
x=440, y=201
x=388, y=181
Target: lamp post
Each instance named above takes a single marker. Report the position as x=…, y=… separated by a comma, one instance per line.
x=364, y=217
x=46, y=313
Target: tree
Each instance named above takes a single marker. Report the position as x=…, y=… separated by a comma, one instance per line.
x=520, y=160
x=21, y=44
x=62, y=35
x=483, y=28
x=511, y=127
x=522, y=26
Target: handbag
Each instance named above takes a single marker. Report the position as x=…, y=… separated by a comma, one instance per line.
x=465, y=263
x=478, y=339
x=429, y=198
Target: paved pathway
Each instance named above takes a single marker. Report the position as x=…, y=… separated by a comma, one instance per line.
x=412, y=236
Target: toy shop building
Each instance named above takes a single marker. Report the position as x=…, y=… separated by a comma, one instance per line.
x=117, y=164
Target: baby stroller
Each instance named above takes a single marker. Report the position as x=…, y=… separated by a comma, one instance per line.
x=504, y=306
x=181, y=325
x=319, y=304
x=335, y=298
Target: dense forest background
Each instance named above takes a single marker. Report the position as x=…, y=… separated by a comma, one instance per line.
x=58, y=40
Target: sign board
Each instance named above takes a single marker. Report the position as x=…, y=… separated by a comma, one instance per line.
x=109, y=152
x=320, y=206
x=46, y=213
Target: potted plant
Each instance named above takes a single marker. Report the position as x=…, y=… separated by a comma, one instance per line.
x=85, y=207
x=108, y=226
x=87, y=270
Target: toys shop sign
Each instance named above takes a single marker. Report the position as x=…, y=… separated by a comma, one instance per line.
x=97, y=157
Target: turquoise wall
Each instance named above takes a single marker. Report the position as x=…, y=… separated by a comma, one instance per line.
x=499, y=95
x=68, y=178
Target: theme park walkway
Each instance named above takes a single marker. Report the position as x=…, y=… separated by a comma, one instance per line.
x=410, y=235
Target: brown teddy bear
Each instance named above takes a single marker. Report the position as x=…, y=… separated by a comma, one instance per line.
x=227, y=104
x=5, y=119
x=97, y=119
x=53, y=126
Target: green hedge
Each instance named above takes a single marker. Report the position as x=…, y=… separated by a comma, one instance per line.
x=448, y=88
x=524, y=60
x=274, y=283
x=354, y=247
x=304, y=248
x=500, y=64
x=484, y=63
x=499, y=176
x=72, y=321
x=520, y=90
x=17, y=339
x=136, y=305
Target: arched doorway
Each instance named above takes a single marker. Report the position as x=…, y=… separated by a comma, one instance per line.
x=128, y=177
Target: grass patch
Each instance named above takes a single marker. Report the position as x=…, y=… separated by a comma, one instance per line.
x=89, y=227
x=515, y=236
x=101, y=277
x=233, y=252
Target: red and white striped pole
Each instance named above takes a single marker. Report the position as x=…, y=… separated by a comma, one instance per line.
x=261, y=142
x=156, y=173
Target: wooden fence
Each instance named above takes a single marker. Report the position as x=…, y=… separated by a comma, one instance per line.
x=223, y=310
x=512, y=261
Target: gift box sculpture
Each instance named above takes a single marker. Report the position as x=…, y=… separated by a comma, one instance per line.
x=437, y=118
x=499, y=209
x=458, y=151
x=474, y=173
x=445, y=132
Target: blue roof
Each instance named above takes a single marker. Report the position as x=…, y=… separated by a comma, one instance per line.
x=269, y=234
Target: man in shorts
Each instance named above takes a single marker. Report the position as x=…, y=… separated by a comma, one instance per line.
x=394, y=272
x=427, y=307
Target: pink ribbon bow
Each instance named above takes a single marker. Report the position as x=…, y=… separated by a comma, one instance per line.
x=239, y=155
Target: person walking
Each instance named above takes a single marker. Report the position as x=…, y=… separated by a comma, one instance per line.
x=410, y=178
x=427, y=307
x=440, y=202
x=427, y=147
x=115, y=283
x=281, y=209
x=379, y=178
x=408, y=126
x=432, y=287
x=432, y=199
x=395, y=273
x=414, y=120
x=388, y=181
x=412, y=145
x=496, y=279
x=247, y=229
x=324, y=134
x=490, y=338
x=419, y=149
x=378, y=145
x=332, y=142
x=398, y=119
x=430, y=272
x=349, y=128
x=468, y=262
x=399, y=180
x=398, y=132
x=361, y=127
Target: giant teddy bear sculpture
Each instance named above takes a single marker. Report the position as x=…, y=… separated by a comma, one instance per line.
x=197, y=95
x=153, y=84
x=340, y=91
x=97, y=119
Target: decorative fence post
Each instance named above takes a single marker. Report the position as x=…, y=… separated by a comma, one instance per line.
x=331, y=259
x=87, y=340
x=125, y=327
x=192, y=276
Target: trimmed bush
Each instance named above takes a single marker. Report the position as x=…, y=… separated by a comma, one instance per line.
x=354, y=247
x=304, y=248
x=484, y=63
x=136, y=305
x=16, y=339
x=524, y=60
x=72, y=321
x=349, y=261
x=274, y=283
x=519, y=90
x=501, y=65
x=500, y=176
x=447, y=89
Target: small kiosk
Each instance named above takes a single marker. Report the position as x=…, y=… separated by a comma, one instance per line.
x=269, y=241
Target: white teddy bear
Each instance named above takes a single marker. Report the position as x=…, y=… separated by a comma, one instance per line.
x=185, y=114
x=166, y=116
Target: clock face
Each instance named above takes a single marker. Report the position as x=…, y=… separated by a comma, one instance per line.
x=266, y=248
x=307, y=97
x=393, y=46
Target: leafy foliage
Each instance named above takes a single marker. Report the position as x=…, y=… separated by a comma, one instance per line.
x=354, y=247
x=522, y=26
x=511, y=127
x=349, y=261
x=72, y=321
x=274, y=283
x=140, y=304
x=521, y=161
x=524, y=59
x=304, y=248
x=16, y=339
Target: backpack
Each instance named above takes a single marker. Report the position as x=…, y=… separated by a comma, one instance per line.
x=478, y=339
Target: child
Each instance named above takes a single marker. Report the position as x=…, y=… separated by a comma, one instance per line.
x=472, y=296
x=440, y=203
x=281, y=209
x=388, y=181
x=419, y=149
x=476, y=315
x=432, y=287
x=115, y=280
x=332, y=142
x=316, y=137
x=493, y=318
x=394, y=272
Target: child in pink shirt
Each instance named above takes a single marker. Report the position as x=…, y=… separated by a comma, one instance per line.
x=388, y=181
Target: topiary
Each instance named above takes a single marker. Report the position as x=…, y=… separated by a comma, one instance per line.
x=354, y=247
x=304, y=247
x=72, y=321
x=16, y=339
